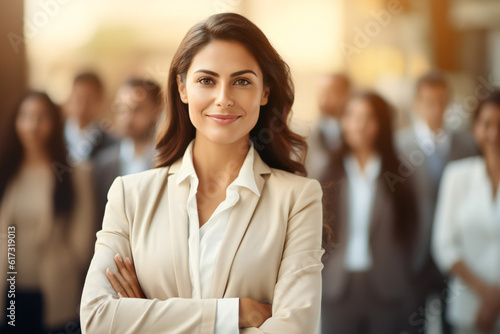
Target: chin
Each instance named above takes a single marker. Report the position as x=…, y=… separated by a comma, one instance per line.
x=225, y=137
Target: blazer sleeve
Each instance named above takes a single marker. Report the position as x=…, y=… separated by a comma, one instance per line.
x=297, y=293
x=446, y=237
x=102, y=312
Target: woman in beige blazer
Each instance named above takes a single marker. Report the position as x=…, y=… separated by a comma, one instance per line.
x=229, y=95
x=46, y=218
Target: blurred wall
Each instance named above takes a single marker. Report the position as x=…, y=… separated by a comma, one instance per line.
x=12, y=56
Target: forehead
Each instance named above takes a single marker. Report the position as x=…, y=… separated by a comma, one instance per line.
x=132, y=94
x=33, y=104
x=224, y=57
x=430, y=89
x=490, y=111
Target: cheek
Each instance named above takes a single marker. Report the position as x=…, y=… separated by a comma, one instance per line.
x=20, y=128
x=45, y=130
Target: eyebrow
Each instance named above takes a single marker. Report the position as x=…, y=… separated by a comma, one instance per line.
x=235, y=74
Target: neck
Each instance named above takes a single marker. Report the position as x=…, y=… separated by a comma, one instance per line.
x=221, y=162
x=362, y=156
x=83, y=122
x=435, y=127
x=35, y=157
x=492, y=159
x=141, y=145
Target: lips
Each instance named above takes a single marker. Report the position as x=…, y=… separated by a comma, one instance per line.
x=224, y=119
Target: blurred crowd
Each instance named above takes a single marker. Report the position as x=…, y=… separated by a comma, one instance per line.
x=414, y=212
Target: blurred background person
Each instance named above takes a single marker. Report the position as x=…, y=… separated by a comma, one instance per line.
x=84, y=137
x=51, y=207
x=367, y=279
x=137, y=106
x=429, y=145
x=466, y=240
x=333, y=93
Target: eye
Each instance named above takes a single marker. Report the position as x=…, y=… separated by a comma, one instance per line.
x=242, y=82
x=205, y=81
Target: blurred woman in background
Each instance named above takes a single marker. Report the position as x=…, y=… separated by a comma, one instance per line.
x=466, y=239
x=367, y=279
x=48, y=207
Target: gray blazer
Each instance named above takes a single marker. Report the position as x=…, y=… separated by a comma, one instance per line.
x=106, y=167
x=462, y=145
x=391, y=274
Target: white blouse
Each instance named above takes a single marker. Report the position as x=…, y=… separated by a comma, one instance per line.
x=362, y=184
x=467, y=228
x=204, y=242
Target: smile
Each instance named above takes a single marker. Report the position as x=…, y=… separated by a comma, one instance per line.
x=224, y=118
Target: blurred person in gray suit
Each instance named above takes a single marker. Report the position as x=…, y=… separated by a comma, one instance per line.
x=427, y=145
x=367, y=275
x=85, y=135
x=333, y=93
x=138, y=105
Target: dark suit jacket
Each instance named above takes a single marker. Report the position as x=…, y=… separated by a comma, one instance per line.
x=390, y=276
x=462, y=145
x=106, y=168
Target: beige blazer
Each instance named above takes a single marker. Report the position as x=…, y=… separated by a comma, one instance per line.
x=64, y=253
x=271, y=251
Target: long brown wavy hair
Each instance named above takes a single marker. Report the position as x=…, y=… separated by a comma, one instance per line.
x=277, y=145
x=12, y=153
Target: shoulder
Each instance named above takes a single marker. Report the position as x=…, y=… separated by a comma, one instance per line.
x=464, y=166
x=145, y=179
x=291, y=186
x=463, y=169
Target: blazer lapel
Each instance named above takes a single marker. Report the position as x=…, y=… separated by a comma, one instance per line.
x=239, y=220
x=178, y=219
x=378, y=205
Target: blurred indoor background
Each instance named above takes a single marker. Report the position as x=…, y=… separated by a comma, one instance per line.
x=382, y=44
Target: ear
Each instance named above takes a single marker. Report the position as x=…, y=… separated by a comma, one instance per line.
x=182, y=89
x=265, y=96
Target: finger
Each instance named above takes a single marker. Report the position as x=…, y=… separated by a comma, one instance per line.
x=115, y=283
x=125, y=285
x=136, y=286
x=124, y=277
x=269, y=310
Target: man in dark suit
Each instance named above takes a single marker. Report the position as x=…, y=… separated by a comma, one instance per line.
x=85, y=134
x=137, y=106
x=426, y=146
x=333, y=92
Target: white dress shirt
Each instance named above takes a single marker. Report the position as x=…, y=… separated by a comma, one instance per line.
x=331, y=130
x=467, y=228
x=204, y=241
x=362, y=184
x=130, y=162
x=80, y=141
x=434, y=145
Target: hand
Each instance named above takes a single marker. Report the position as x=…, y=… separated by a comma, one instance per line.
x=489, y=310
x=124, y=281
x=253, y=313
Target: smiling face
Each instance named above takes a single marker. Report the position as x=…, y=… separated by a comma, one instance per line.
x=224, y=89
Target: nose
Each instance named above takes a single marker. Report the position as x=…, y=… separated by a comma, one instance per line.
x=224, y=99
